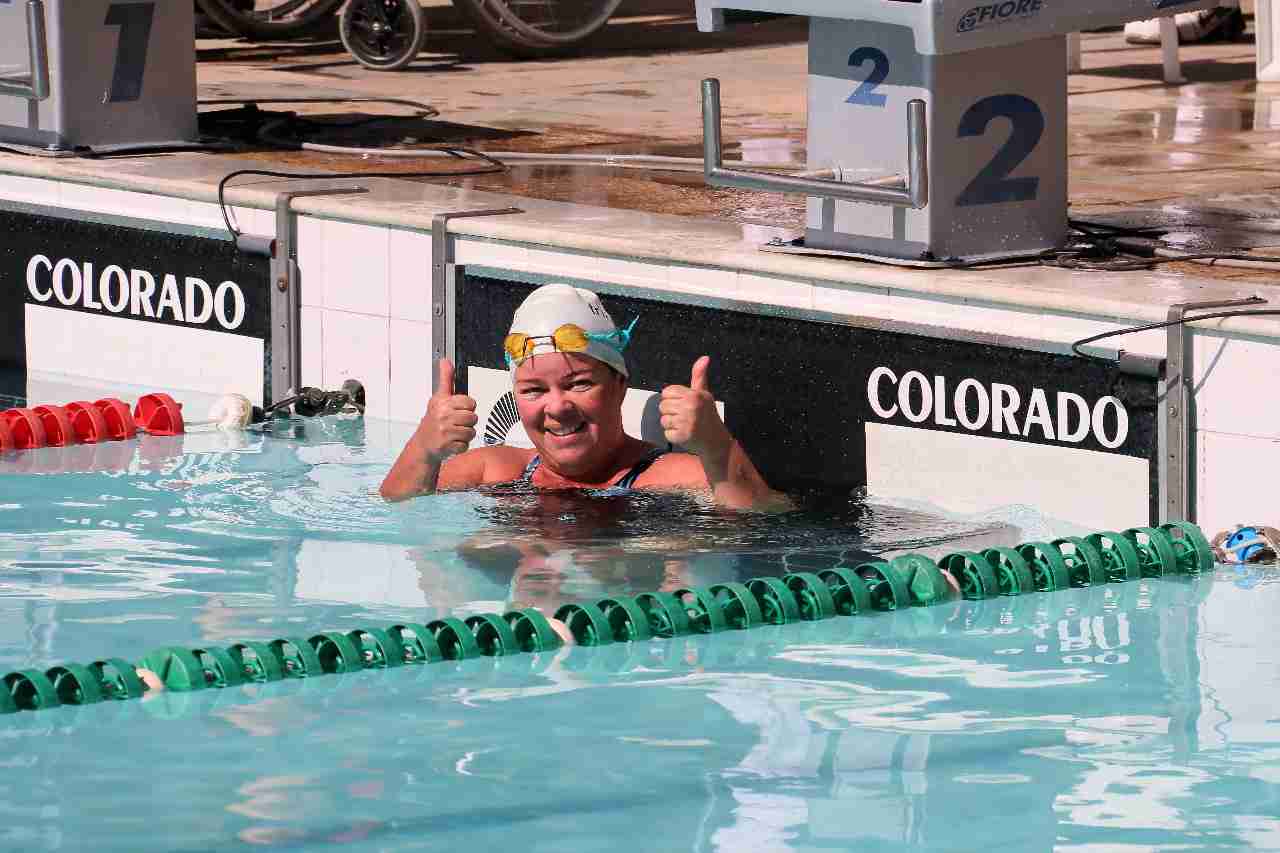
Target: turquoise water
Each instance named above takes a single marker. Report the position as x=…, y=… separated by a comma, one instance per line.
x=1133, y=717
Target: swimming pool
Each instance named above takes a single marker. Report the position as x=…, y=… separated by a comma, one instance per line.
x=1131, y=715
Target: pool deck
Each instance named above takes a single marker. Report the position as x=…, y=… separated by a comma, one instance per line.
x=635, y=91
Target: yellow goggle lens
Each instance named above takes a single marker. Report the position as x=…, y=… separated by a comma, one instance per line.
x=570, y=338
x=567, y=338
x=515, y=344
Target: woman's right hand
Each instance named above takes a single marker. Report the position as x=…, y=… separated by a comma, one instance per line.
x=448, y=427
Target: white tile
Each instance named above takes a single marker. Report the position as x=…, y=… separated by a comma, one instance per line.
x=96, y=199
x=471, y=250
x=249, y=220
x=621, y=271
x=969, y=316
x=310, y=240
x=123, y=203
x=409, y=268
x=959, y=315
x=972, y=473
x=1235, y=480
x=1069, y=329
x=161, y=208
x=1044, y=326
x=344, y=265
x=205, y=361
x=769, y=290
x=1234, y=381
x=553, y=263
x=252, y=220
x=28, y=190
x=209, y=215
x=355, y=268
x=356, y=346
x=854, y=301
x=708, y=281
x=410, y=370
x=312, y=347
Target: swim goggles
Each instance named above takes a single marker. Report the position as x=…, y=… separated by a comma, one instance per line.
x=570, y=337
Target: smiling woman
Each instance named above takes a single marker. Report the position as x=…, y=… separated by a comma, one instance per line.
x=569, y=378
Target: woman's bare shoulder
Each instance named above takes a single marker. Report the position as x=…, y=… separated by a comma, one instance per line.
x=676, y=470
x=481, y=465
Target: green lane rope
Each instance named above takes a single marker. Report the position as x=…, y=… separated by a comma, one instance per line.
x=908, y=580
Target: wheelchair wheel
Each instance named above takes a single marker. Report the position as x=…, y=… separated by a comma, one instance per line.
x=383, y=34
x=268, y=19
x=530, y=29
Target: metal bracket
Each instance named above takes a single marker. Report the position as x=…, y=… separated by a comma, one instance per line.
x=36, y=86
x=443, y=283
x=892, y=191
x=1177, y=427
x=285, y=370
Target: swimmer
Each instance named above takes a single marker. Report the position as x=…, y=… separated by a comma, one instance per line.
x=569, y=377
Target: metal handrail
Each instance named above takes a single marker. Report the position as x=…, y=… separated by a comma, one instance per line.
x=913, y=193
x=36, y=86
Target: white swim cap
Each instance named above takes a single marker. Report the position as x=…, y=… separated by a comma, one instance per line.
x=552, y=306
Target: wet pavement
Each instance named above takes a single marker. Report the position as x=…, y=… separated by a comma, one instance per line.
x=1200, y=161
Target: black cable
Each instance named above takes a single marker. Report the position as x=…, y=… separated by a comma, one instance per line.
x=1229, y=256
x=1101, y=229
x=1075, y=347
x=496, y=167
x=281, y=405
x=1141, y=263
x=1113, y=241
x=347, y=125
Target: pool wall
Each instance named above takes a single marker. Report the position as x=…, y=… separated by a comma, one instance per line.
x=372, y=310
x=193, y=311
x=848, y=400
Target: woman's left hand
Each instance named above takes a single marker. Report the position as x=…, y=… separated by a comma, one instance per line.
x=690, y=418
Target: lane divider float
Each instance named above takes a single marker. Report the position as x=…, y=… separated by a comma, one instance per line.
x=908, y=580
x=83, y=422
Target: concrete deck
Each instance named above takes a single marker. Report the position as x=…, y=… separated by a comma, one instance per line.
x=634, y=90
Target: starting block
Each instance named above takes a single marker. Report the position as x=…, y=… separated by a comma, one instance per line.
x=937, y=128
x=97, y=74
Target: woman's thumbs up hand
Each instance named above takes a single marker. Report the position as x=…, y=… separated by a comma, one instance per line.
x=448, y=427
x=689, y=416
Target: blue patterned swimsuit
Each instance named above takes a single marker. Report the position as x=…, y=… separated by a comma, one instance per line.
x=625, y=483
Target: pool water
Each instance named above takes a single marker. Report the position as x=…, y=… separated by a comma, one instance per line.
x=1137, y=716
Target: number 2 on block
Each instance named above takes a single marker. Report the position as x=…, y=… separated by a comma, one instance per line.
x=992, y=185
x=865, y=95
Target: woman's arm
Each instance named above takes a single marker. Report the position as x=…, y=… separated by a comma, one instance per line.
x=447, y=429
x=736, y=483
x=732, y=478
x=417, y=472
x=690, y=419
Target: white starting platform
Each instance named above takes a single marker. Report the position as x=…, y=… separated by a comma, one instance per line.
x=97, y=74
x=937, y=129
